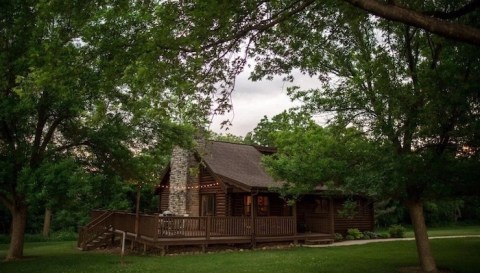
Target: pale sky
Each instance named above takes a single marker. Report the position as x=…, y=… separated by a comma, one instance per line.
x=253, y=100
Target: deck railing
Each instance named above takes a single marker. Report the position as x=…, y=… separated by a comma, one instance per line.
x=155, y=226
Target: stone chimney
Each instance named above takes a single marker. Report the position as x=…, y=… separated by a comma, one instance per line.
x=179, y=165
x=183, y=197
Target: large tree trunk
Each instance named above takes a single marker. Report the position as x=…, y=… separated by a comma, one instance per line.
x=47, y=220
x=421, y=237
x=19, y=221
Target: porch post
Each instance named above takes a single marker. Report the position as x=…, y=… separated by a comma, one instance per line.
x=294, y=215
x=137, y=211
x=253, y=214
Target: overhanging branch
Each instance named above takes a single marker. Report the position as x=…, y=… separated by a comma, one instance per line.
x=393, y=12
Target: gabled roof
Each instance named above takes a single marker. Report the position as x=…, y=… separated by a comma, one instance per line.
x=237, y=163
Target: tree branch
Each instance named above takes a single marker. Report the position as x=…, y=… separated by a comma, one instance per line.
x=265, y=24
x=71, y=145
x=393, y=12
x=468, y=8
x=50, y=132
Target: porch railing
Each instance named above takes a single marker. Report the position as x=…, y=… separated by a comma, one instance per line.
x=154, y=226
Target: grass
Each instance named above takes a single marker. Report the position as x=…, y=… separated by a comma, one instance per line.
x=443, y=231
x=450, y=231
x=459, y=255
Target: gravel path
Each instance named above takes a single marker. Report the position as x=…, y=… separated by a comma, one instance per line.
x=363, y=242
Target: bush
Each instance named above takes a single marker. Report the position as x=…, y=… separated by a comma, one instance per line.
x=383, y=235
x=338, y=237
x=370, y=234
x=396, y=231
x=355, y=233
x=349, y=237
x=65, y=235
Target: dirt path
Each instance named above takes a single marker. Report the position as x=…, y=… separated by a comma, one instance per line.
x=363, y=242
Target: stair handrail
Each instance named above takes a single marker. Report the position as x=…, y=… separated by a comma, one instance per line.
x=98, y=218
x=102, y=223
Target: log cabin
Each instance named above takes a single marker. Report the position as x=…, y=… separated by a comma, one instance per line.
x=227, y=179
x=221, y=194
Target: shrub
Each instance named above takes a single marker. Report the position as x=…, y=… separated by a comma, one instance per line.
x=355, y=233
x=338, y=237
x=370, y=234
x=383, y=235
x=396, y=231
x=349, y=237
x=65, y=235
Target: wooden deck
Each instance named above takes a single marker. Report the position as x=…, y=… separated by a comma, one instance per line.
x=153, y=230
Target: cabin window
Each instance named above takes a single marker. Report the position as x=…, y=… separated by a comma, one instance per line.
x=208, y=205
x=262, y=206
x=247, y=205
x=321, y=206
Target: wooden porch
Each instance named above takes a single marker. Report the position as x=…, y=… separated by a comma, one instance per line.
x=156, y=231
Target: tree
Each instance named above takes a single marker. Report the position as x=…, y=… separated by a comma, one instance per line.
x=225, y=137
x=95, y=82
x=412, y=93
x=264, y=133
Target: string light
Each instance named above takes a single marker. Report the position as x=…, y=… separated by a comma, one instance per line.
x=190, y=187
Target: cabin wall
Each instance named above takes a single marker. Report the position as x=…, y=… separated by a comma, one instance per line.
x=193, y=191
x=208, y=185
x=314, y=215
x=363, y=219
x=163, y=192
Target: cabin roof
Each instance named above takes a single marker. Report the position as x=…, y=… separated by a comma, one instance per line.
x=238, y=163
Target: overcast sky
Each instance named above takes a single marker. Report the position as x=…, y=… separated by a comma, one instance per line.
x=253, y=100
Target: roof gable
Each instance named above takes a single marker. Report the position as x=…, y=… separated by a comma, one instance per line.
x=238, y=162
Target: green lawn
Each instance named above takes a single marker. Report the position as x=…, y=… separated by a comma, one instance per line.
x=453, y=230
x=443, y=231
x=458, y=255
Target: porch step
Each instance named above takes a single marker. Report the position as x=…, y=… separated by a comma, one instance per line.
x=318, y=241
x=101, y=241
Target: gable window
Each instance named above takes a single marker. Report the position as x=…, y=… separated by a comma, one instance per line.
x=207, y=207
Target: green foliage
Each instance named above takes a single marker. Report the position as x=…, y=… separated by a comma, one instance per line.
x=338, y=237
x=349, y=237
x=57, y=236
x=355, y=233
x=443, y=212
x=389, y=212
x=265, y=132
x=226, y=137
x=92, y=91
x=396, y=231
x=339, y=158
x=384, y=235
x=370, y=235
x=348, y=209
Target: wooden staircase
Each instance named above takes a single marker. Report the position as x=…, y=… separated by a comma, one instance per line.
x=101, y=240
x=99, y=232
